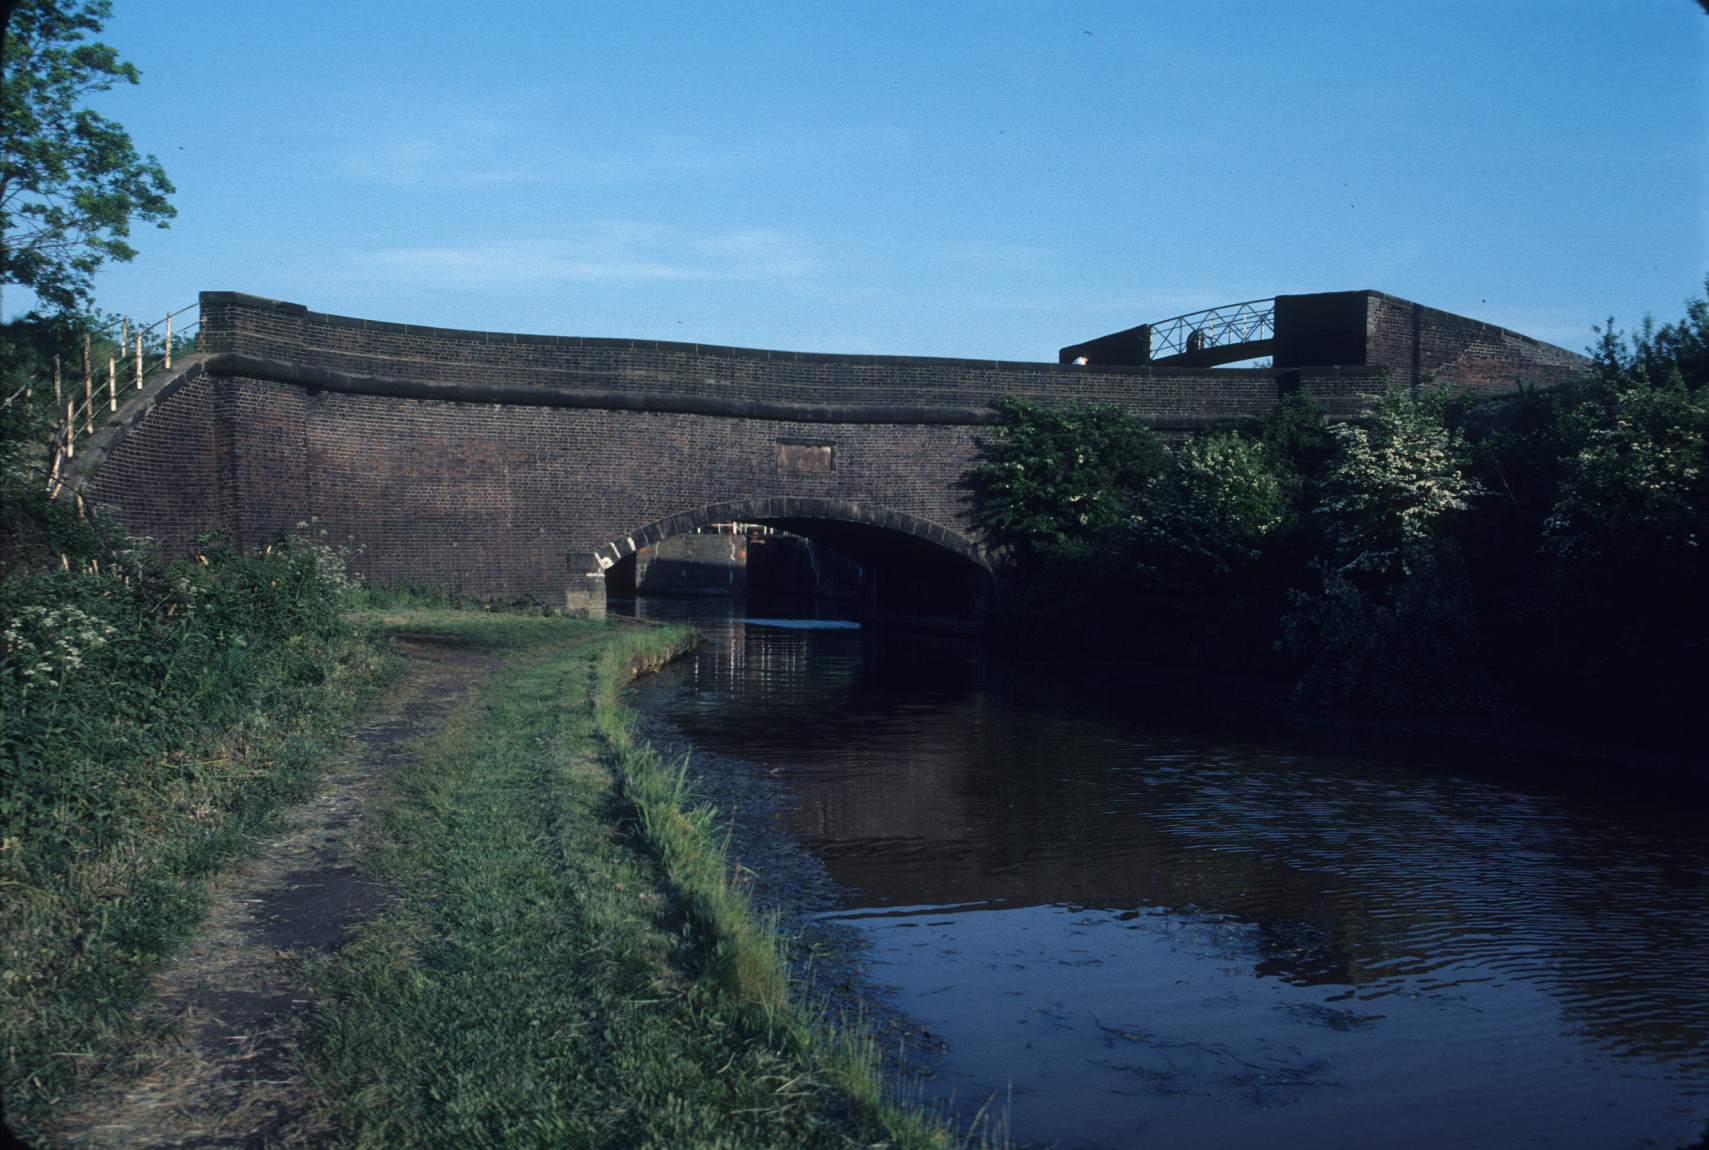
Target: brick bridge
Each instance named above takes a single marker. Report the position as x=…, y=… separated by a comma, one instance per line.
x=503, y=466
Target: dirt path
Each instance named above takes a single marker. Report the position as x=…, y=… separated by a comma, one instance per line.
x=233, y=997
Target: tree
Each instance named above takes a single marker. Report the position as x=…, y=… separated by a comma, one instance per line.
x=1209, y=513
x=1062, y=475
x=71, y=181
x=1394, y=621
x=1638, y=488
x=1393, y=482
x=1620, y=610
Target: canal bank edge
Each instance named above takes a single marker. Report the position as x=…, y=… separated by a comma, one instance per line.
x=583, y=783
x=647, y=1013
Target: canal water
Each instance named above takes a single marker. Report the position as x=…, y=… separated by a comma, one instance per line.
x=1130, y=913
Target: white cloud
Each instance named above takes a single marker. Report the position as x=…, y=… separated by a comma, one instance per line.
x=604, y=251
x=501, y=160
x=458, y=140
x=1000, y=257
x=414, y=161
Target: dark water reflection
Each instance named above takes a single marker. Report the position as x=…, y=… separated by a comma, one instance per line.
x=1145, y=917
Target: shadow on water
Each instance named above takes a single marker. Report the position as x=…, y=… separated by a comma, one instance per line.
x=1169, y=919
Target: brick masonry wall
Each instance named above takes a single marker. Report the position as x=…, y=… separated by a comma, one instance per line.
x=287, y=333
x=500, y=501
x=175, y=480
x=509, y=499
x=1415, y=341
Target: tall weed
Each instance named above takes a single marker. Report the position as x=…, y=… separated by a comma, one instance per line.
x=153, y=716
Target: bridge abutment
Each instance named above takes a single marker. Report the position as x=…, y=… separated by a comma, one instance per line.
x=585, y=595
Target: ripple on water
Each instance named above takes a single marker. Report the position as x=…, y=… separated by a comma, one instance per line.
x=1137, y=925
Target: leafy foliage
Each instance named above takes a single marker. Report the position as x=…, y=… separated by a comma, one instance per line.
x=1674, y=354
x=1412, y=644
x=1209, y=512
x=1393, y=621
x=1545, y=548
x=1639, y=481
x=115, y=661
x=1392, y=481
x=1297, y=433
x=1620, y=558
x=1061, y=475
x=153, y=716
x=1192, y=524
x=71, y=181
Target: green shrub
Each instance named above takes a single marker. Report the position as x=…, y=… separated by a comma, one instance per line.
x=153, y=716
x=112, y=663
x=1058, y=476
x=1412, y=643
x=1208, y=513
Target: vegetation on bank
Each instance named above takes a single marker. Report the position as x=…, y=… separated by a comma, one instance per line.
x=154, y=717
x=572, y=962
x=1541, y=551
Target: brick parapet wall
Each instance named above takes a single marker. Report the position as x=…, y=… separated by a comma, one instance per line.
x=1416, y=342
x=174, y=478
x=1345, y=390
x=288, y=333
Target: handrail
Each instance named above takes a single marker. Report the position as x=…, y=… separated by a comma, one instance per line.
x=123, y=324
x=129, y=366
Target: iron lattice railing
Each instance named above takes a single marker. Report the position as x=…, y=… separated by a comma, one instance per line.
x=1214, y=327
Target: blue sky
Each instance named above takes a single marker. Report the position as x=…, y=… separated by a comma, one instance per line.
x=989, y=180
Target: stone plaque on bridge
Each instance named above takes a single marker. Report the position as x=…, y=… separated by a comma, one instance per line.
x=805, y=458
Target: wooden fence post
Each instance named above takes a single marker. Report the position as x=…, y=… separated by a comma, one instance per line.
x=70, y=433
x=168, y=348
x=139, y=359
x=113, y=383
x=56, y=381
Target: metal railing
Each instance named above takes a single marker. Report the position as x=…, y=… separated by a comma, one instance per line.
x=133, y=354
x=1214, y=327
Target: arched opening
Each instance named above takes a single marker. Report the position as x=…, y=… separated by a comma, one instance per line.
x=885, y=565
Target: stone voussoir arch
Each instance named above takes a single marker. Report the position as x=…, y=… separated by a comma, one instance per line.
x=791, y=507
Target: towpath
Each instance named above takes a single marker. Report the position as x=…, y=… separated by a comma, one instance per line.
x=233, y=1004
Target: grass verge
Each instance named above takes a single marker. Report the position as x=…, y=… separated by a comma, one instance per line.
x=82, y=930
x=571, y=964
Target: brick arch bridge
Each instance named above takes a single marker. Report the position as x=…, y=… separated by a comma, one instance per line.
x=503, y=466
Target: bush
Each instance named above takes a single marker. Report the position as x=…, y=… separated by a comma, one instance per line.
x=1547, y=547
x=1412, y=644
x=153, y=716
x=119, y=661
x=1394, y=483
x=1393, y=622
x=1208, y=513
x=1061, y=476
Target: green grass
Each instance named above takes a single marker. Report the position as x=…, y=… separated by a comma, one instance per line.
x=82, y=931
x=571, y=965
